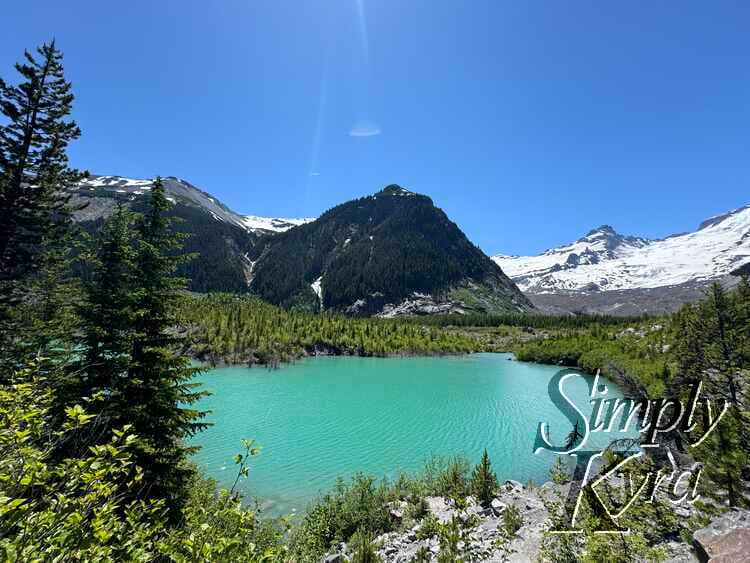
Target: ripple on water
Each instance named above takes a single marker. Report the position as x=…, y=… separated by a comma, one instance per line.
x=327, y=417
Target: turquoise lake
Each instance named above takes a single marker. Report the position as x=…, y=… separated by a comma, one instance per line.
x=325, y=417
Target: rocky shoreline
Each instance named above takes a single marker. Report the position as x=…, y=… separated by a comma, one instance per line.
x=483, y=537
x=485, y=541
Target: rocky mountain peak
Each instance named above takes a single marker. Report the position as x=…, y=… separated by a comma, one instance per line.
x=106, y=190
x=605, y=261
x=219, y=236
x=607, y=238
x=606, y=230
x=601, y=239
x=717, y=219
x=396, y=190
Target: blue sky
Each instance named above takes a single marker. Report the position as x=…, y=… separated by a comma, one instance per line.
x=528, y=122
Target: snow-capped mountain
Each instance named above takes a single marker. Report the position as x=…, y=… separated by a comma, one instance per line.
x=361, y=257
x=184, y=192
x=220, y=237
x=604, y=260
x=602, y=272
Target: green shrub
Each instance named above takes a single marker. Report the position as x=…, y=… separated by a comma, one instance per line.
x=450, y=536
x=447, y=477
x=68, y=509
x=423, y=555
x=558, y=472
x=72, y=509
x=429, y=529
x=417, y=509
x=484, y=481
x=361, y=505
x=512, y=521
x=363, y=548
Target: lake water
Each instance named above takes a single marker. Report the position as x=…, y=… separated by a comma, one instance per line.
x=321, y=418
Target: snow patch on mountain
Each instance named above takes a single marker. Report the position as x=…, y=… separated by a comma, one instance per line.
x=605, y=260
x=273, y=224
x=317, y=287
x=116, y=182
x=179, y=190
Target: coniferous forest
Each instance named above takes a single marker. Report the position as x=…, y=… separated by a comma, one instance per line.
x=225, y=328
x=98, y=339
x=376, y=250
x=214, y=246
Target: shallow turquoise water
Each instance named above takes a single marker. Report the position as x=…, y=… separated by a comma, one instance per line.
x=326, y=417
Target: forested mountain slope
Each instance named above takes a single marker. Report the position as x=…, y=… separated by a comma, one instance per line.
x=390, y=253
x=219, y=236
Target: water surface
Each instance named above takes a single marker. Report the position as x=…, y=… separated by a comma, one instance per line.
x=321, y=418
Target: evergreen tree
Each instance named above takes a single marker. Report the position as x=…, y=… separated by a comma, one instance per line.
x=364, y=548
x=743, y=319
x=725, y=463
x=33, y=167
x=45, y=323
x=712, y=348
x=159, y=388
x=54, y=294
x=36, y=293
x=108, y=324
x=484, y=481
x=109, y=315
x=558, y=472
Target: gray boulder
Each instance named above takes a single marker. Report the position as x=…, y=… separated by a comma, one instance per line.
x=725, y=539
x=440, y=509
x=498, y=506
x=512, y=486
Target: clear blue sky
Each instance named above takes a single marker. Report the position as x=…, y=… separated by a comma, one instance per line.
x=528, y=122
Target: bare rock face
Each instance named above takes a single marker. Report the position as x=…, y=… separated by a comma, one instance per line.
x=422, y=304
x=440, y=508
x=726, y=539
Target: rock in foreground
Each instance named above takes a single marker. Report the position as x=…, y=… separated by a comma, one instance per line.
x=726, y=539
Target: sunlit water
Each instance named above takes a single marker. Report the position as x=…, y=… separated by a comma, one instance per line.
x=321, y=418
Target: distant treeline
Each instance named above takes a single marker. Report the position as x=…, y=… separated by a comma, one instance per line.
x=526, y=320
x=639, y=352
x=243, y=329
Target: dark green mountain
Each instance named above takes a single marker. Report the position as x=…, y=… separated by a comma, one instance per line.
x=390, y=253
x=220, y=237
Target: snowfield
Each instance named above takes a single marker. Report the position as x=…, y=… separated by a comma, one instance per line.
x=605, y=260
x=275, y=224
x=185, y=192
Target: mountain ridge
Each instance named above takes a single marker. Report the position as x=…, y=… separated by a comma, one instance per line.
x=420, y=262
x=179, y=189
x=601, y=272
x=220, y=237
x=389, y=253
x=604, y=261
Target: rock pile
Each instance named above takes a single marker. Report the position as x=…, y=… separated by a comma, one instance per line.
x=726, y=539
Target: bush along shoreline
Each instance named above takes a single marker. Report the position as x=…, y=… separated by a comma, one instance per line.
x=452, y=512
